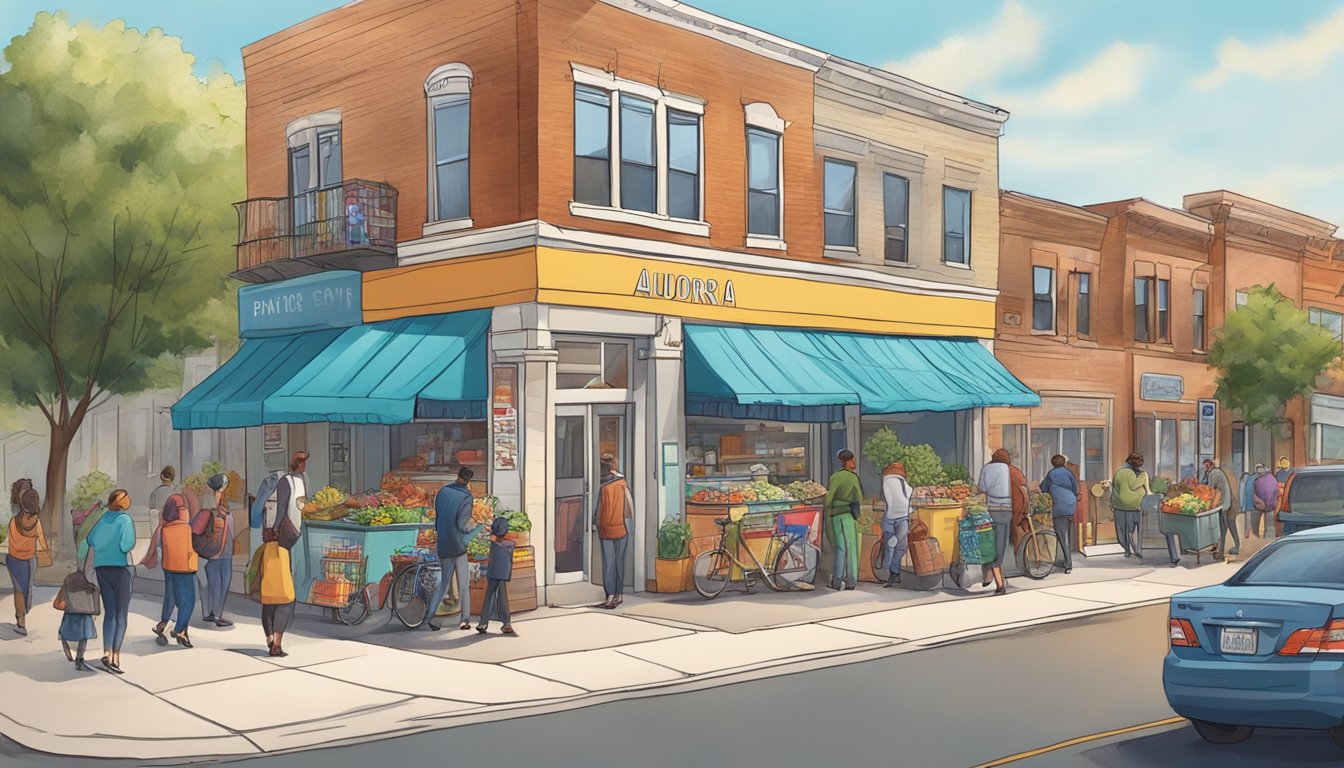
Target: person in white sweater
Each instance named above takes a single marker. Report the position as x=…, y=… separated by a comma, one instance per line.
x=896, y=520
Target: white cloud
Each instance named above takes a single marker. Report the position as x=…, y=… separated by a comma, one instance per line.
x=1115, y=76
x=977, y=59
x=1304, y=54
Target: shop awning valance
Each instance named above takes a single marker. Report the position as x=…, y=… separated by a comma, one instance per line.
x=389, y=372
x=235, y=394
x=760, y=366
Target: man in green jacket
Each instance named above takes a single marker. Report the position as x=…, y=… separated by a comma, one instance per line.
x=1128, y=488
x=843, y=497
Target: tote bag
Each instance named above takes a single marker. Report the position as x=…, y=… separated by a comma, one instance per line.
x=277, y=582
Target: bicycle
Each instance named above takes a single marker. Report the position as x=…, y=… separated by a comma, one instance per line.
x=788, y=551
x=1038, y=551
x=413, y=586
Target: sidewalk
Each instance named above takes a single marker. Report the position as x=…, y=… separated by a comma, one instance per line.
x=350, y=684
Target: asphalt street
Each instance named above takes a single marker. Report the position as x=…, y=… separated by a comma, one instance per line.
x=960, y=705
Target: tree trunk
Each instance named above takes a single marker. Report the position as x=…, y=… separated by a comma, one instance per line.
x=53, y=510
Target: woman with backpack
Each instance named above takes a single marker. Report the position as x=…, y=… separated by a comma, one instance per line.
x=180, y=563
x=212, y=534
x=112, y=539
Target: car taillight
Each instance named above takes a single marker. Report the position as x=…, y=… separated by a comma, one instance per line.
x=1306, y=642
x=1183, y=634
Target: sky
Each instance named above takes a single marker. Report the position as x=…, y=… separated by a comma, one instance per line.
x=1109, y=99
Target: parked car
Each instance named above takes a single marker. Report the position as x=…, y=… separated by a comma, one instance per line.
x=1312, y=497
x=1266, y=647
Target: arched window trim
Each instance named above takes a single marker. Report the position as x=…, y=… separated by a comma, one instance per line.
x=448, y=84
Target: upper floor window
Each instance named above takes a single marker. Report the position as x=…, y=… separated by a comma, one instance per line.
x=1199, y=322
x=896, y=216
x=1163, y=311
x=1042, y=299
x=1331, y=321
x=839, y=203
x=655, y=177
x=1143, y=289
x=314, y=160
x=763, y=191
x=1083, y=323
x=448, y=91
x=592, y=146
x=957, y=226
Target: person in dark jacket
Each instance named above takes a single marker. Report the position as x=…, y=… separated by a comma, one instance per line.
x=218, y=569
x=453, y=523
x=497, y=573
x=1062, y=486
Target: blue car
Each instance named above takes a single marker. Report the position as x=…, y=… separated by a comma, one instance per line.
x=1266, y=647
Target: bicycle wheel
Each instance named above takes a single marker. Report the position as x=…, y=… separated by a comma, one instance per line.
x=412, y=590
x=1038, y=553
x=711, y=572
x=796, y=563
x=451, y=602
x=353, y=612
x=878, y=555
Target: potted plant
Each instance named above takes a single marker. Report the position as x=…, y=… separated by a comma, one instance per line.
x=89, y=490
x=673, y=565
x=520, y=528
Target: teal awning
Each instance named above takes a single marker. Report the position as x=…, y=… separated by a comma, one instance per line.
x=755, y=367
x=389, y=372
x=234, y=395
x=374, y=373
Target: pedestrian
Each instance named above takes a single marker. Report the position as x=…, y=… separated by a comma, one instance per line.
x=1062, y=486
x=497, y=573
x=455, y=527
x=896, y=520
x=77, y=627
x=1264, y=500
x=615, y=505
x=112, y=540
x=180, y=563
x=1216, y=478
x=167, y=476
x=844, y=496
x=15, y=494
x=213, y=526
x=282, y=528
x=157, y=498
x=1000, y=489
x=25, y=539
x=1285, y=469
x=1128, y=487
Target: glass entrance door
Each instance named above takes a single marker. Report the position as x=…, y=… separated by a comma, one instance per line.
x=583, y=435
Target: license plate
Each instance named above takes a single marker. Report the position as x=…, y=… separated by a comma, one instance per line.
x=1239, y=641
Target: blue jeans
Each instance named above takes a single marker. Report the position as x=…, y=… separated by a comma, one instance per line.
x=496, y=602
x=894, y=541
x=182, y=586
x=448, y=566
x=218, y=575
x=613, y=565
x=114, y=584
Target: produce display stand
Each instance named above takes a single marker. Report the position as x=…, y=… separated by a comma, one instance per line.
x=1197, y=532
x=334, y=558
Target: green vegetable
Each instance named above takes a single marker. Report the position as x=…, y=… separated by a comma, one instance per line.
x=518, y=520
x=673, y=537
x=957, y=473
x=479, y=547
x=768, y=492
x=923, y=466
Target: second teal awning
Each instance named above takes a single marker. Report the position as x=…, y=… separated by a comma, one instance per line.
x=762, y=366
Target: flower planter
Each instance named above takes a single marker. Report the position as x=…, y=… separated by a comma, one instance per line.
x=673, y=575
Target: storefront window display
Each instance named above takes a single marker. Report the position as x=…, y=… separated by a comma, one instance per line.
x=1083, y=446
x=1330, y=442
x=439, y=448
x=938, y=430
x=1015, y=442
x=731, y=447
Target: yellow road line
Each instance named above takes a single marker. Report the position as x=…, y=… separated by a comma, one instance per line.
x=1080, y=740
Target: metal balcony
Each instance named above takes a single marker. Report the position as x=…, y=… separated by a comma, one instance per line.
x=350, y=226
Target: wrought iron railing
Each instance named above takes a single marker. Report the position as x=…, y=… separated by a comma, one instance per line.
x=355, y=217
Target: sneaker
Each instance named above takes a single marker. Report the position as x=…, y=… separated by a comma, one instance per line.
x=432, y=626
x=222, y=622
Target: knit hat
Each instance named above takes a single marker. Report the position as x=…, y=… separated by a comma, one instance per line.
x=499, y=527
x=217, y=482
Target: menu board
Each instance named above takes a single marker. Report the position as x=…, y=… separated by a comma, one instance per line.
x=504, y=420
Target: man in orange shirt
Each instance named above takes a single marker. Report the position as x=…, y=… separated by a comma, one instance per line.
x=615, y=505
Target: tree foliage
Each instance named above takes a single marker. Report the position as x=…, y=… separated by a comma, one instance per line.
x=1267, y=353
x=115, y=220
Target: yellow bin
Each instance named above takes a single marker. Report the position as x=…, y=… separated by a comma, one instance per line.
x=942, y=522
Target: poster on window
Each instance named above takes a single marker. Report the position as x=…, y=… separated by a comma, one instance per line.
x=272, y=438
x=504, y=420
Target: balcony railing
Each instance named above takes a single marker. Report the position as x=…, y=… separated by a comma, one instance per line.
x=350, y=226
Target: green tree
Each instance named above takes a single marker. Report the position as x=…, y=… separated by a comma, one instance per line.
x=115, y=221
x=1267, y=353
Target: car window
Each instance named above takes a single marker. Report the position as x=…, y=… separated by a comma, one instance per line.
x=1311, y=562
x=1321, y=493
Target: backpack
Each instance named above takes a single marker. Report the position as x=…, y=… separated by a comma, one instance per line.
x=265, y=493
x=209, y=543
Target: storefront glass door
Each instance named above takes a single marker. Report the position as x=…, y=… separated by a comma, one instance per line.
x=583, y=434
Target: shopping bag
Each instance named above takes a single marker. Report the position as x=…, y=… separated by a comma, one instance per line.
x=985, y=538
x=926, y=556
x=277, y=581
x=252, y=581
x=919, y=531
x=968, y=541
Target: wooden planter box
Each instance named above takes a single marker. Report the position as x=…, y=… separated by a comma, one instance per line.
x=673, y=575
x=522, y=591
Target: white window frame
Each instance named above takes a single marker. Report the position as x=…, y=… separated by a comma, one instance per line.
x=970, y=222
x=763, y=117
x=305, y=131
x=832, y=251
x=1054, y=301
x=663, y=100
x=448, y=82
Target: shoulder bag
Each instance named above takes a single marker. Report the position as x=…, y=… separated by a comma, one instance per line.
x=78, y=595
